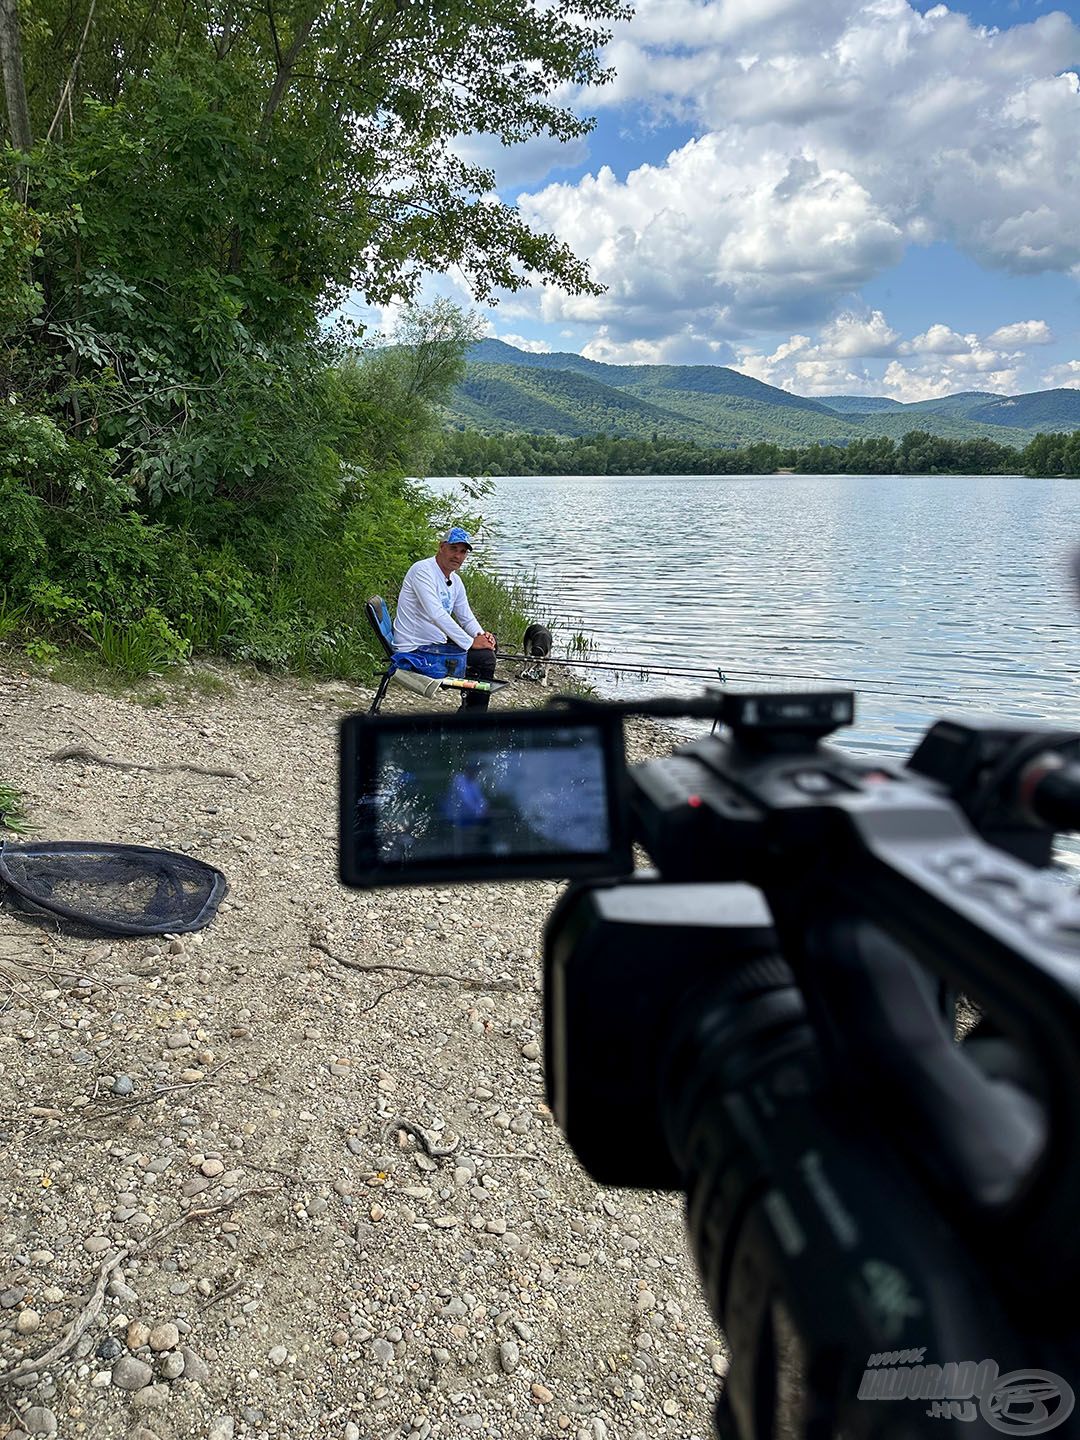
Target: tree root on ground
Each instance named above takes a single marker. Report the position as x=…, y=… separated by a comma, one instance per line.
x=470, y=982
x=80, y=752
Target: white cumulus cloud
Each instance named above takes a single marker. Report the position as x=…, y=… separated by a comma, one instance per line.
x=939, y=340
x=840, y=360
x=805, y=369
x=907, y=385
x=521, y=342
x=1022, y=332
x=1063, y=377
x=687, y=347
x=707, y=238
x=863, y=335
x=930, y=382
x=831, y=136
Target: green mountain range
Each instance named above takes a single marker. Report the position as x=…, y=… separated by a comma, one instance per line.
x=518, y=391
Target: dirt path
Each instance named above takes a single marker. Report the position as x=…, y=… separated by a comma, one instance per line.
x=223, y=1113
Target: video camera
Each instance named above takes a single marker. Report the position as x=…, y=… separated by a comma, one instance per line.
x=885, y=1220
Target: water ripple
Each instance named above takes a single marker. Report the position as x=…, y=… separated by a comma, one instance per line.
x=950, y=586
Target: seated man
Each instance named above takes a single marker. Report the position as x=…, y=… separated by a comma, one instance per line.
x=435, y=631
x=466, y=808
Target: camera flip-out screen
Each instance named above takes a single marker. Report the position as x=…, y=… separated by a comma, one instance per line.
x=429, y=798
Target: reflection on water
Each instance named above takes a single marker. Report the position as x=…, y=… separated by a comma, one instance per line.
x=926, y=594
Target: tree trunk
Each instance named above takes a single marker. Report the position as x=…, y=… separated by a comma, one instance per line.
x=14, y=81
x=286, y=64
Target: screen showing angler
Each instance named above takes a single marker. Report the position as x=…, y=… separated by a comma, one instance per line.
x=479, y=794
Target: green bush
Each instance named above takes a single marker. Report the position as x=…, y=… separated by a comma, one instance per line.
x=271, y=562
x=504, y=609
x=278, y=586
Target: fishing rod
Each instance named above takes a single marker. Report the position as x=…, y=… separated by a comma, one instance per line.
x=629, y=667
x=647, y=668
x=635, y=661
x=641, y=663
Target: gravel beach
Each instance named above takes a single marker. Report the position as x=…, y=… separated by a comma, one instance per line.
x=279, y=1194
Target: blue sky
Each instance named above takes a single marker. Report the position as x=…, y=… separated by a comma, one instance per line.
x=836, y=196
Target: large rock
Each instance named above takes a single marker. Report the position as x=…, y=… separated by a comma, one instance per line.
x=131, y=1374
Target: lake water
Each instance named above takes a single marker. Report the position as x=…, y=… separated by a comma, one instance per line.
x=925, y=594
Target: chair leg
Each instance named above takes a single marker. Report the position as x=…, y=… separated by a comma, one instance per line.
x=379, y=693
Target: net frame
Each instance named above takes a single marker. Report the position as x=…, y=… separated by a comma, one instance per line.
x=213, y=879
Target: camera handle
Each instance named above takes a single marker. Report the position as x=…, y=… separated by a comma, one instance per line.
x=999, y=932
x=976, y=1139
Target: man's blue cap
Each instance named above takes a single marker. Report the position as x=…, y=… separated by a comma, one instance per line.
x=458, y=536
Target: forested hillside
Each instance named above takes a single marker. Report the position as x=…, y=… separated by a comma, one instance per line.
x=859, y=404
x=712, y=379
x=558, y=402
x=1043, y=410
x=507, y=390
x=569, y=402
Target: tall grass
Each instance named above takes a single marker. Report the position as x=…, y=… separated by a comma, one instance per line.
x=12, y=815
x=506, y=608
x=12, y=616
x=146, y=647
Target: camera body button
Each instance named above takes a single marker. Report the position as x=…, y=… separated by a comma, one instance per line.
x=814, y=782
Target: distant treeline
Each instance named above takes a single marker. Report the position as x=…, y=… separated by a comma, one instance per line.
x=468, y=452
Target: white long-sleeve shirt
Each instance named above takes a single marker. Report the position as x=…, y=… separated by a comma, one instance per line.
x=432, y=609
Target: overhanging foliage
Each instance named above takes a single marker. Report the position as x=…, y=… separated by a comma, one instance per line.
x=189, y=450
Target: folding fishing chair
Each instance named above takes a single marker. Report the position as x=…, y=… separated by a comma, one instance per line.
x=378, y=613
